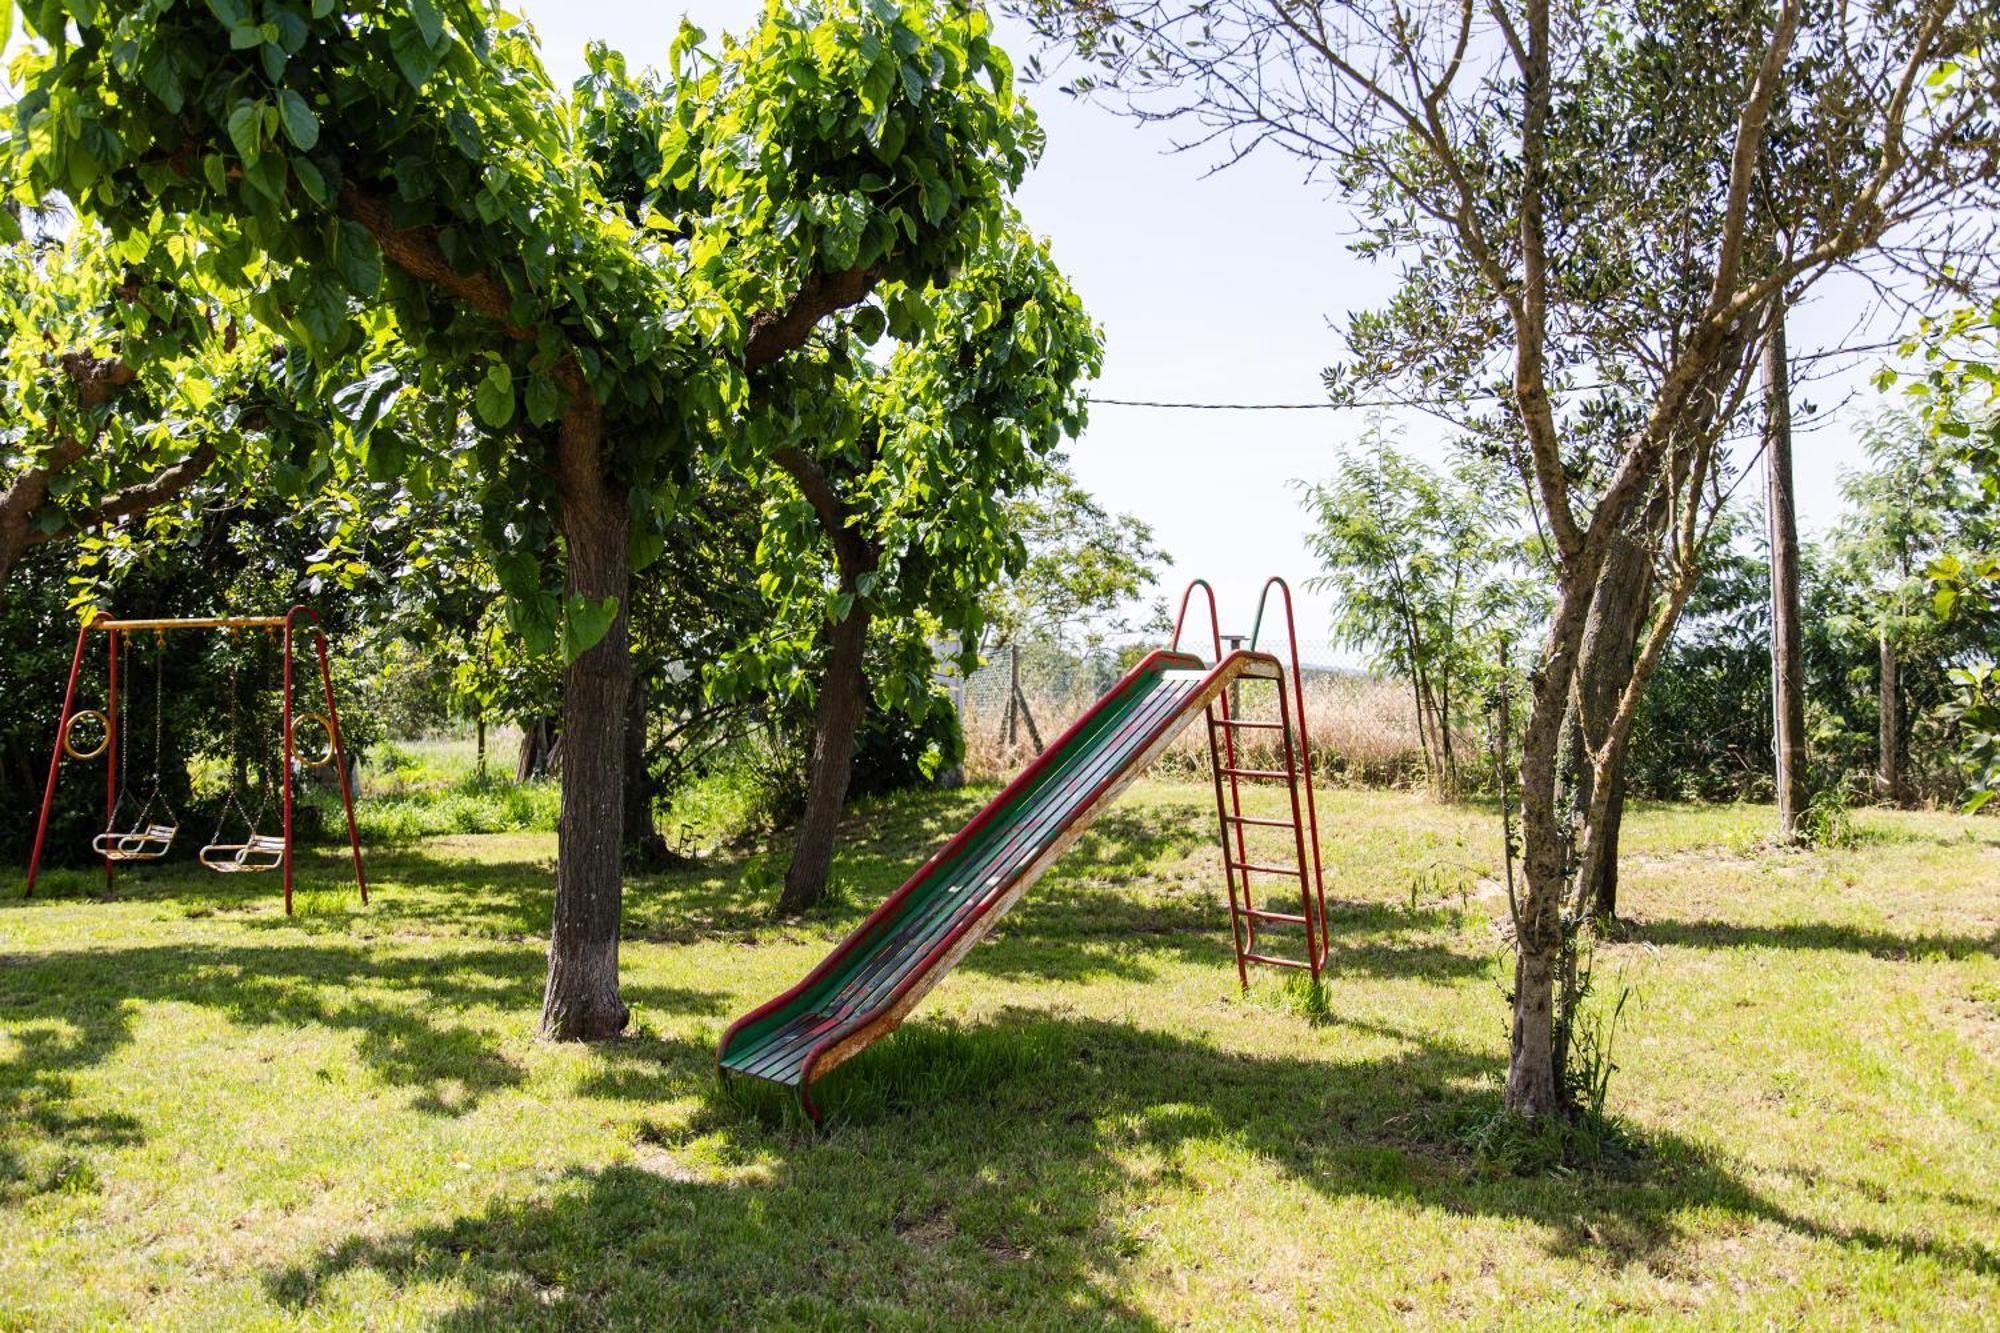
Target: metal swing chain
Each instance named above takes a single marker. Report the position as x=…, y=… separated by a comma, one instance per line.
x=235, y=742
x=124, y=755
x=270, y=761
x=159, y=792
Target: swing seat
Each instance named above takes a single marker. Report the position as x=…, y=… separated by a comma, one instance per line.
x=263, y=851
x=139, y=844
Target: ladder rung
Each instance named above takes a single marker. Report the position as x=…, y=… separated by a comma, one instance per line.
x=1256, y=773
x=1250, y=726
x=1276, y=962
x=1264, y=869
x=1260, y=823
x=1296, y=918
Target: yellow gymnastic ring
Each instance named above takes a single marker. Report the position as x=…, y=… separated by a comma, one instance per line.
x=325, y=754
x=69, y=746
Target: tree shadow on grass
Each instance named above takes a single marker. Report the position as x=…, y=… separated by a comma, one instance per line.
x=1888, y=945
x=67, y=1011
x=1000, y=1173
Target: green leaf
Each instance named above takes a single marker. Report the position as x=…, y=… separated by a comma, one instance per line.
x=314, y=183
x=586, y=624
x=6, y=21
x=869, y=324
x=429, y=22
x=359, y=258
x=161, y=76
x=494, y=400
x=246, y=129
x=267, y=175
x=533, y=617
x=544, y=399
x=301, y=125
x=413, y=54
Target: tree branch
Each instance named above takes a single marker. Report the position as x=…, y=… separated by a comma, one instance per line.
x=852, y=553
x=773, y=333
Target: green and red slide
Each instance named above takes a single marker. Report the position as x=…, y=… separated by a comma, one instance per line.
x=876, y=976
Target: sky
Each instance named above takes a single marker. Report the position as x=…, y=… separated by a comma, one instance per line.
x=1222, y=287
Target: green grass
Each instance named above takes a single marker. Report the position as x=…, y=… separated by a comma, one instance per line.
x=212, y=1116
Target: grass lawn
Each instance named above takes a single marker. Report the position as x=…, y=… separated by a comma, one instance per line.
x=212, y=1116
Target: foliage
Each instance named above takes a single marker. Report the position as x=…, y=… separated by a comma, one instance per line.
x=123, y=386
x=539, y=251
x=1704, y=727
x=899, y=476
x=1956, y=391
x=1082, y=565
x=1423, y=578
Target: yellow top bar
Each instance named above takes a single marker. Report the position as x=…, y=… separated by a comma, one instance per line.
x=200, y=622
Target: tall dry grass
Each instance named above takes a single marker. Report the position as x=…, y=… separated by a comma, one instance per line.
x=1361, y=730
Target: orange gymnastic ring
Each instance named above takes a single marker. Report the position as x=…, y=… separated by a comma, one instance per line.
x=69, y=746
x=325, y=755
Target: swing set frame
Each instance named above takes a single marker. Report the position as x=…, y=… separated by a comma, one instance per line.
x=298, y=622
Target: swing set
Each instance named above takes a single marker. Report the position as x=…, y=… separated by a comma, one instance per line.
x=148, y=829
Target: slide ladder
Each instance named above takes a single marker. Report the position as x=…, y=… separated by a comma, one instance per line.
x=1249, y=860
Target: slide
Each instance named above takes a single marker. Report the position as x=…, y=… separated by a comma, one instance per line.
x=869, y=984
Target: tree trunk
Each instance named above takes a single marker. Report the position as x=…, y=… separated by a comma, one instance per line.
x=832, y=763
x=479, y=728
x=581, y=1002
x=1889, y=772
x=1533, y=1087
x=1788, y=690
x=1618, y=607
x=644, y=847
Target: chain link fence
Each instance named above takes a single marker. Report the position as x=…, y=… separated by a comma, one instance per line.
x=1361, y=728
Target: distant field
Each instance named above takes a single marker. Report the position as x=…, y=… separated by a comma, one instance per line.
x=212, y=1116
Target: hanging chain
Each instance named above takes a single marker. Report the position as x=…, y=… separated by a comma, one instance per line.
x=125, y=739
x=160, y=727
x=235, y=739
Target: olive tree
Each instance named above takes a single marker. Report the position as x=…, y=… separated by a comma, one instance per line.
x=601, y=274
x=1587, y=195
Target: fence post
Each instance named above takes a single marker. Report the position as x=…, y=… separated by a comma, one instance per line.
x=1013, y=693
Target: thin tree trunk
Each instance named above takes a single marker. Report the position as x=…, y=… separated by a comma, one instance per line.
x=479, y=730
x=1788, y=703
x=644, y=847
x=1889, y=774
x=1604, y=667
x=581, y=1001
x=1533, y=1088
x=840, y=699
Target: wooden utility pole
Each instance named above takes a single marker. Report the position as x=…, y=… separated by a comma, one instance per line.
x=1788, y=695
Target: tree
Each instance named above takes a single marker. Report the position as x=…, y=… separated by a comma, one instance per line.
x=1421, y=578
x=1911, y=507
x=899, y=483
x=1082, y=565
x=1587, y=195
x=600, y=276
x=1957, y=393
x=1788, y=691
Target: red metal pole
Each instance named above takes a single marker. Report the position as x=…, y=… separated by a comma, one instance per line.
x=55, y=761
x=1313, y=956
x=339, y=758
x=111, y=756
x=1305, y=736
x=285, y=725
